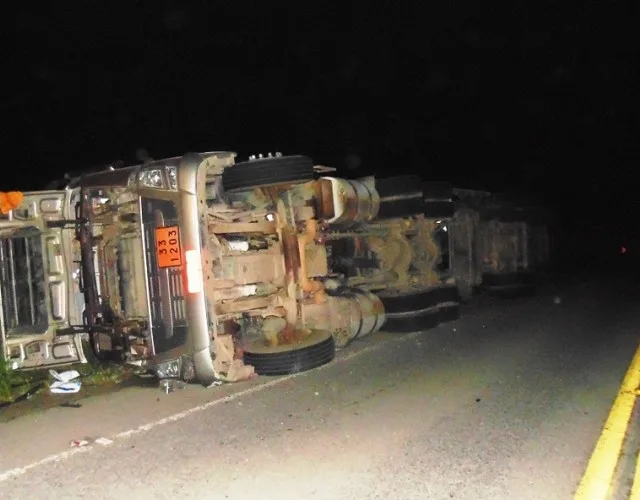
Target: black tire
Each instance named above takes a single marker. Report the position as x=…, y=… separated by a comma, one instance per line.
x=270, y=171
x=317, y=350
x=418, y=300
x=400, y=196
x=412, y=321
x=421, y=320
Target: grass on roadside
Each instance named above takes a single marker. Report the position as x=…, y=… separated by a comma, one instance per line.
x=99, y=375
x=14, y=385
x=5, y=381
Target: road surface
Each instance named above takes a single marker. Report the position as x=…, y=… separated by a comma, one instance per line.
x=507, y=402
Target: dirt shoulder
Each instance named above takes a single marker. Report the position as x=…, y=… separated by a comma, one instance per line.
x=29, y=392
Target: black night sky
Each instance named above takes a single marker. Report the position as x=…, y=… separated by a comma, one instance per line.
x=535, y=97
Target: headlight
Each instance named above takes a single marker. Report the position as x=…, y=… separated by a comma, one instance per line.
x=159, y=178
x=151, y=178
x=172, y=175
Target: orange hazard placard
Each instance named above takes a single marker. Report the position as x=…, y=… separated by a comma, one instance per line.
x=168, y=248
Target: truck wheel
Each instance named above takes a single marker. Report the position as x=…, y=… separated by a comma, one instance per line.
x=316, y=350
x=418, y=300
x=414, y=321
x=417, y=321
x=270, y=171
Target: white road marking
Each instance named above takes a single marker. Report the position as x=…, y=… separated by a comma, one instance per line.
x=47, y=460
x=104, y=441
x=18, y=471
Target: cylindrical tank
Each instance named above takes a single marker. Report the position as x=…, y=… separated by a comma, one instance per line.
x=364, y=311
x=354, y=201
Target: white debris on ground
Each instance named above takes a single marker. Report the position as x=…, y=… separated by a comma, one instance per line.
x=67, y=382
x=78, y=443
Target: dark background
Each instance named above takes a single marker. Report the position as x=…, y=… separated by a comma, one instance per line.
x=538, y=97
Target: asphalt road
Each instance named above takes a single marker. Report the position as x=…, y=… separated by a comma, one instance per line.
x=505, y=403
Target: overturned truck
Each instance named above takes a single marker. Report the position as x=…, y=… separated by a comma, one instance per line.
x=195, y=266
x=206, y=269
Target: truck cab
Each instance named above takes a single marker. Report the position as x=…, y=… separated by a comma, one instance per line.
x=39, y=282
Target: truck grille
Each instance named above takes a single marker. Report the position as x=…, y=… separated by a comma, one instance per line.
x=22, y=286
x=167, y=306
